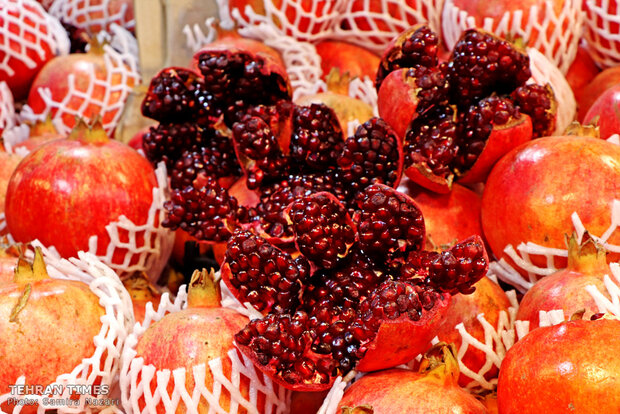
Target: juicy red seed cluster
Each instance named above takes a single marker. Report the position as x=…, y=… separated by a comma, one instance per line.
x=323, y=229
x=419, y=47
x=433, y=87
x=478, y=123
x=166, y=142
x=317, y=138
x=265, y=276
x=205, y=210
x=216, y=159
x=433, y=138
x=389, y=221
x=256, y=141
x=482, y=63
x=220, y=71
x=371, y=155
x=171, y=96
x=537, y=102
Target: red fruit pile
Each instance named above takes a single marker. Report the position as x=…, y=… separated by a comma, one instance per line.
x=457, y=118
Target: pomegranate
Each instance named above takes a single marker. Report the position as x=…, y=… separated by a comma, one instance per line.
x=27, y=44
x=356, y=61
x=433, y=389
x=142, y=291
x=447, y=217
x=565, y=289
x=532, y=192
x=570, y=367
x=605, y=112
x=601, y=30
x=8, y=163
x=93, y=77
x=196, y=335
x=66, y=312
x=582, y=71
x=75, y=187
x=596, y=87
x=488, y=299
x=98, y=15
x=307, y=402
x=40, y=133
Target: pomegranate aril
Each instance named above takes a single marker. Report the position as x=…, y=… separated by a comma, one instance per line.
x=539, y=103
x=166, y=142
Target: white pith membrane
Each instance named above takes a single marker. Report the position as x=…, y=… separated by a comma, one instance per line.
x=35, y=29
x=374, y=23
x=101, y=368
x=543, y=72
x=147, y=246
x=602, y=32
x=93, y=15
x=121, y=74
x=558, y=45
x=144, y=384
x=7, y=107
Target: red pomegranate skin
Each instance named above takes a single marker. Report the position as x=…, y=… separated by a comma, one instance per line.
x=573, y=367
x=53, y=332
x=605, y=112
x=355, y=60
x=191, y=337
x=8, y=163
x=606, y=79
x=69, y=190
x=581, y=72
x=489, y=299
x=405, y=391
x=533, y=190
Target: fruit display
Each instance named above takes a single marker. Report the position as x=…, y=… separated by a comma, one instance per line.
x=322, y=207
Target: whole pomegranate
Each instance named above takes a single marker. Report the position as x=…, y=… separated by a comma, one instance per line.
x=581, y=72
x=532, y=192
x=605, y=80
x=570, y=367
x=26, y=43
x=70, y=189
x=196, y=335
x=355, y=60
x=89, y=84
x=97, y=15
x=605, y=112
x=434, y=389
x=565, y=289
x=488, y=299
x=8, y=163
x=44, y=316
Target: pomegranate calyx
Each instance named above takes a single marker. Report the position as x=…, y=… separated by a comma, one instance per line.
x=21, y=303
x=97, y=46
x=440, y=364
x=43, y=127
x=360, y=409
x=140, y=287
x=578, y=315
x=203, y=291
x=338, y=82
x=579, y=130
x=89, y=134
x=26, y=273
x=587, y=256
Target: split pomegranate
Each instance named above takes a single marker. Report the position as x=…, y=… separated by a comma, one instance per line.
x=44, y=316
x=196, y=335
x=605, y=112
x=75, y=187
x=570, y=367
x=27, y=44
x=92, y=77
x=532, y=192
x=433, y=389
x=565, y=289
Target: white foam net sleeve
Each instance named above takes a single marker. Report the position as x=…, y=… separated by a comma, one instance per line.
x=522, y=256
x=230, y=301
x=117, y=82
x=196, y=37
x=374, y=23
x=555, y=35
x=545, y=72
x=94, y=15
x=145, y=385
x=25, y=28
x=609, y=305
x=103, y=367
x=603, y=32
x=7, y=107
x=15, y=136
x=300, y=19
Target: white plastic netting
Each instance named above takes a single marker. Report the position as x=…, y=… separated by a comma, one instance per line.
x=602, y=32
x=374, y=23
x=102, y=368
x=100, y=93
x=7, y=108
x=95, y=15
x=556, y=35
x=144, y=389
x=522, y=255
x=545, y=72
x=145, y=247
x=28, y=34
